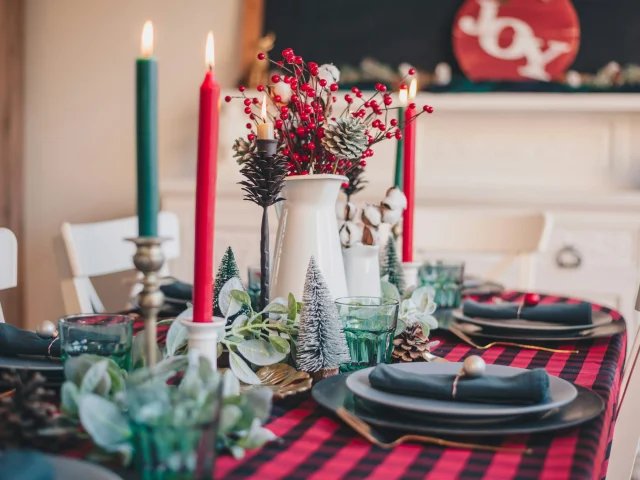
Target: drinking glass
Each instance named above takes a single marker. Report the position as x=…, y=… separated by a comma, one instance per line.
x=446, y=279
x=175, y=432
x=106, y=335
x=369, y=324
x=253, y=288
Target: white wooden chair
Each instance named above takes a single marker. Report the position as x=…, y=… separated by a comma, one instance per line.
x=626, y=436
x=95, y=249
x=515, y=237
x=8, y=262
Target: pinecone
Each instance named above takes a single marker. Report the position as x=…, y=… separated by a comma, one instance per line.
x=243, y=150
x=264, y=179
x=410, y=345
x=22, y=414
x=345, y=138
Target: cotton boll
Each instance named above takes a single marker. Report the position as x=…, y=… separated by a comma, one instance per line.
x=369, y=236
x=371, y=215
x=443, y=74
x=350, y=234
x=391, y=216
x=395, y=199
x=329, y=72
x=346, y=211
x=341, y=211
x=284, y=90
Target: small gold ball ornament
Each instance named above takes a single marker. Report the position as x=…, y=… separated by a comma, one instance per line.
x=47, y=329
x=474, y=366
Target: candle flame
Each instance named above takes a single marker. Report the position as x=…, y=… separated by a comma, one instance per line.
x=264, y=108
x=402, y=95
x=146, y=45
x=413, y=88
x=209, y=55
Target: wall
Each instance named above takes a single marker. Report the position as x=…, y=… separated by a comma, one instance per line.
x=79, y=131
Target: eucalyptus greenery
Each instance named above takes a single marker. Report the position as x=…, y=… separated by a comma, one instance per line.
x=253, y=339
x=416, y=306
x=105, y=400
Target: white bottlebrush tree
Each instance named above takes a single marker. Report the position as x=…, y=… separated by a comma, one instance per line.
x=321, y=339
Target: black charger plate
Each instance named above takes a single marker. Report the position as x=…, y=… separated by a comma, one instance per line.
x=614, y=328
x=333, y=393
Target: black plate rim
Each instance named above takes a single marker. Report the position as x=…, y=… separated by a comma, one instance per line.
x=337, y=385
x=524, y=337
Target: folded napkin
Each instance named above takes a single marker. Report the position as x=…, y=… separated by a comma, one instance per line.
x=14, y=341
x=25, y=465
x=561, y=313
x=177, y=290
x=526, y=388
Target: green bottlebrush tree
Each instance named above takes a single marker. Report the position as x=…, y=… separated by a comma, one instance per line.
x=391, y=267
x=228, y=269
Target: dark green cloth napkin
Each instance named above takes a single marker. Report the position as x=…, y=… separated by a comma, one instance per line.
x=175, y=290
x=14, y=341
x=25, y=465
x=561, y=313
x=525, y=388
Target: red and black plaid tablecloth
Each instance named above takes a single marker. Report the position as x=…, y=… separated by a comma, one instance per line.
x=316, y=445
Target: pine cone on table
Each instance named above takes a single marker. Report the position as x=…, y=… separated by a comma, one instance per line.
x=243, y=150
x=27, y=410
x=346, y=138
x=410, y=345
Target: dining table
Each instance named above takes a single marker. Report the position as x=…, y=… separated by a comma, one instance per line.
x=314, y=444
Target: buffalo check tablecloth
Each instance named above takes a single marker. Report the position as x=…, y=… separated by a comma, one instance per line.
x=315, y=445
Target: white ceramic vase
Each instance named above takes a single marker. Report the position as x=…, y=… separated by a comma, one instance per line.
x=307, y=226
x=362, y=268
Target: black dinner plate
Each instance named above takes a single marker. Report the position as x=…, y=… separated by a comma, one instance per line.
x=333, y=393
x=50, y=368
x=614, y=328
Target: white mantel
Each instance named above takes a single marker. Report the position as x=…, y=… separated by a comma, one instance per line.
x=576, y=156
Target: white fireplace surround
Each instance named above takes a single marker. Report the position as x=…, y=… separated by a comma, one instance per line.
x=575, y=156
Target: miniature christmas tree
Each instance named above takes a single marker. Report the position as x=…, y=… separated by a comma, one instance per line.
x=391, y=265
x=228, y=269
x=322, y=345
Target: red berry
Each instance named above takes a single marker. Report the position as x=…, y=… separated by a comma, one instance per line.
x=355, y=89
x=359, y=94
x=334, y=99
x=251, y=137
x=298, y=60
x=348, y=98
x=382, y=127
x=275, y=78
x=261, y=56
x=371, y=139
x=247, y=101
x=247, y=110
x=241, y=88
x=227, y=99
x=412, y=106
x=412, y=71
x=286, y=152
x=252, y=116
x=277, y=98
x=345, y=185
x=334, y=87
x=260, y=88
x=393, y=122
x=304, y=172
x=279, y=124
x=255, y=101
x=388, y=101
x=284, y=115
x=284, y=109
x=375, y=123
x=280, y=63
x=311, y=146
x=296, y=157
x=381, y=87
x=398, y=135
x=388, y=135
x=531, y=299
x=300, y=131
x=287, y=51
x=311, y=125
x=367, y=104
x=323, y=83
x=363, y=163
x=248, y=125
x=428, y=108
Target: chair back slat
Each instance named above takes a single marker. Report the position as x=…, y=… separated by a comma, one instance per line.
x=8, y=259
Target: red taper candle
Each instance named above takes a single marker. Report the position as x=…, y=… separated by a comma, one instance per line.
x=206, y=191
x=409, y=175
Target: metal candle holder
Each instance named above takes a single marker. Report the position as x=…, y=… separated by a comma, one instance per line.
x=149, y=259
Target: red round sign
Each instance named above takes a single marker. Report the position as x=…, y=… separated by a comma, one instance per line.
x=517, y=40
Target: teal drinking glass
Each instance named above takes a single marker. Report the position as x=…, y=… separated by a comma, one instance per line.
x=107, y=335
x=446, y=279
x=369, y=324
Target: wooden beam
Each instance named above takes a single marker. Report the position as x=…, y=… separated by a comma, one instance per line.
x=12, y=14
x=252, y=25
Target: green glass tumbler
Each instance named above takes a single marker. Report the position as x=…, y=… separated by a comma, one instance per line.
x=446, y=279
x=369, y=324
x=107, y=335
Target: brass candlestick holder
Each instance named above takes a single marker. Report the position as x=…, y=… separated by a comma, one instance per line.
x=149, y=259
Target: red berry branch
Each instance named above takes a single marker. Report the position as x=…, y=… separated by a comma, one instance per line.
x=314, y=140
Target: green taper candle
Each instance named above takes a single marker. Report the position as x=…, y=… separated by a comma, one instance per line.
x=399, y=152
x=147, y=136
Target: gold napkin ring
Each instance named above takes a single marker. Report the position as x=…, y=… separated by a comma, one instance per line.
x=520, y=310
x=454, y=391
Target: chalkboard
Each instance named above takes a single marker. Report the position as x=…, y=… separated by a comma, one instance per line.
x=419, y=31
